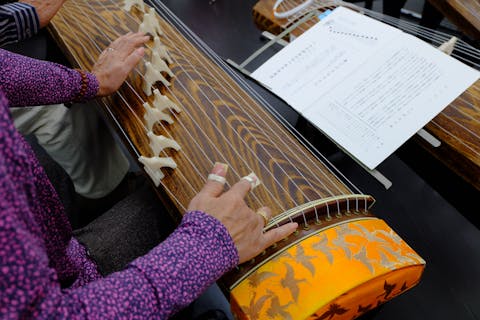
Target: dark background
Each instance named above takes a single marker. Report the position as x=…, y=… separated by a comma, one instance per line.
x=429, y=207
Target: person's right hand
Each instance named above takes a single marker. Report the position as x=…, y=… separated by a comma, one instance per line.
x=244, y=225
x=117, y=60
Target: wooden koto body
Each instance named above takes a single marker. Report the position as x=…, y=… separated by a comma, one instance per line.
x=463, y=13
x=457, y=127
x=220, y=121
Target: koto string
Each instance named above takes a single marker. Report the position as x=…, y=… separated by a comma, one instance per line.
x=221, y=62
x=453, y=136
x=297, y=205
x=338, y=207
x=242, y=98
x=438, y=38
x=305, y=196
x=129, y=107
x=466, y=129
x=279, y=117
x=146, y=130
x=461, y=125
x=205, y=47
x=187, y=131
x=126, y=136
x=162, y=124
x=167, y=36
x=294, y=10
x=142, y=101
x=291, y=129
x=470, y=10
x=469, y=104
x=327, y=6
x=120, y=95
x=460, y=47
x=226, y=139
x=430, y=34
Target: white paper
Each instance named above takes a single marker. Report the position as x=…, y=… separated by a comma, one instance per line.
x=368, y=86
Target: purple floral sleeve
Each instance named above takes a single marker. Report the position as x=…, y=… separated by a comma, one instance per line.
x=44, y=272
x=156, y=285
x=187, y=262
x=29, y=82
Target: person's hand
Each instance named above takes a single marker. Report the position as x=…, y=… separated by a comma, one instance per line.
x=46, y=9
x=244, y=225
x=117, y=60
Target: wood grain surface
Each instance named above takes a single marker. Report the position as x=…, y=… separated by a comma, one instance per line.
x=219, y=120
x=465, y=14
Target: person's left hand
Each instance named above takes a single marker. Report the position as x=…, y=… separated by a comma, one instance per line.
x=46, y=9
x=117, y=60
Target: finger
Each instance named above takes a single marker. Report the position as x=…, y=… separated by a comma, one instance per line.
x=126, y=52
x=115, y=43
x=129, y=42
x=245, y=184
x=265, y=215
x=277, y=234
x=132, y=60
x=253, y=179
x=137, y=39
x=216, y=180
x=102, y=54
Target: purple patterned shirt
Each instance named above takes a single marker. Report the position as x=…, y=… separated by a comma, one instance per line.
x=44, y=271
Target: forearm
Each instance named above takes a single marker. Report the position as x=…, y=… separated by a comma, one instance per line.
x=18, y=21
x=156, y=285
x=197, y=254
x=45, y=82
x=166, y=279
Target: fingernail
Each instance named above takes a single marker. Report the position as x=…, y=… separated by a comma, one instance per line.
x=253, y=179
x=220, y=168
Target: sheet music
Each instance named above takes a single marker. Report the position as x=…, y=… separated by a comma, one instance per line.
x=367, y=85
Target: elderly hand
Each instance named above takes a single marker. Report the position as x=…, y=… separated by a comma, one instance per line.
x=46, y=9
x=244, y=225
x=115, y=63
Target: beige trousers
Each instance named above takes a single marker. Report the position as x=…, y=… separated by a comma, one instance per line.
x=78, y=139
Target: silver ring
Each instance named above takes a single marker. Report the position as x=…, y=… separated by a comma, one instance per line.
x=217, y=178
x=109, y=49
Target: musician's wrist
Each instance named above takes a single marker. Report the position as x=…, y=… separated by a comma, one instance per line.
x=102, y=89
x=88, y=86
